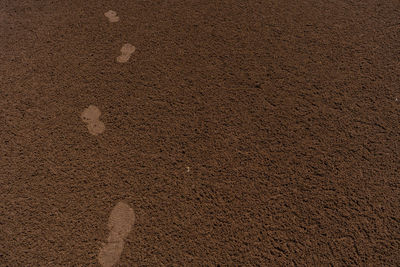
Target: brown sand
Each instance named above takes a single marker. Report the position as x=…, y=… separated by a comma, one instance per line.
x=241, y=133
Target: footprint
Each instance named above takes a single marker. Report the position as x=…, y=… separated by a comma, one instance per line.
x=110, y=254
x=126, y=52
x=112, y=16
x=96, y=127
x=120, y=224
x=92, y=113
x=91, y=116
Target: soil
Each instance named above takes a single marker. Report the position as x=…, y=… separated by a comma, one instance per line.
x=241, y=133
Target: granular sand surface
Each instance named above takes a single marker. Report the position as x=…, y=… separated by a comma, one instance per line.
x=228, y=133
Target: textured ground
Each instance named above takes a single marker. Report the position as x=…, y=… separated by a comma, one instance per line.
x=241, y=133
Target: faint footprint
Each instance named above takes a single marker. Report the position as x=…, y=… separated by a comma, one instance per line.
x=126, y=52
x=112, y=16
x=91, y=116
x=120, y=224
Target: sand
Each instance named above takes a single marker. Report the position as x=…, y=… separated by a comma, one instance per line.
x=239, y=133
